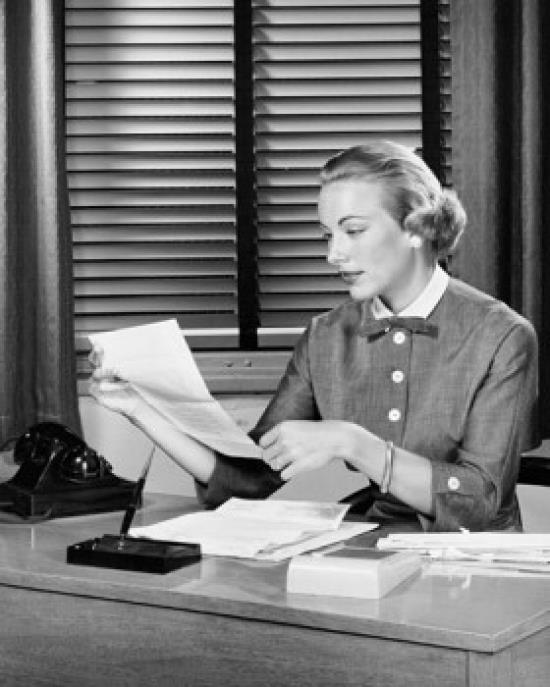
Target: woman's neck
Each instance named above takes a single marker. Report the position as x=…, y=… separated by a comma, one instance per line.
x=403, y=295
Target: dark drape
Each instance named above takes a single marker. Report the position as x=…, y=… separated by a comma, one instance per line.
x=501, y=156
x=37, y=369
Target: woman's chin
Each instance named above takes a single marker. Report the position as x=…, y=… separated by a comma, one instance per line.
x=360, y=292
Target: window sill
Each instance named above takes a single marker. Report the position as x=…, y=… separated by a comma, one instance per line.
x=225, y=372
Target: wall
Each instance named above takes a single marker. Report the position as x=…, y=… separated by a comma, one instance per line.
x=126, y=449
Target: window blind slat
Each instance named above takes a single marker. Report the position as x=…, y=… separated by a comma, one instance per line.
x=151, y=127
x=348, y=4
x=104, y=54
x=137, y=4
x=127, y=268
x=347, y=52
x=147, y=303
x=305, y=284
x=329, y=140
x=187, y=321
x=137, y=108
x=140, y=287
x=148, y=90
x=147, y=215
x=158, y=251
x=207, y=143
x=147, y=72
x=143, y=178
x=119, y=37
x=335, y=14
x=386, y=33
x=133, y=15
x=331, y=88
x=374, y=69
x=309, y=124
x=337, y=105
x=163, y=196
x=155, y=160
x=153, y=233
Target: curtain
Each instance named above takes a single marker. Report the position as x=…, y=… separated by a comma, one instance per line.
x=37, y=368
x=501, y=156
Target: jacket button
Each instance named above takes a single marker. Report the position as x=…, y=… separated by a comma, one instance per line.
x=399, y=338
x=397, y=376
x=453, y=483
x=394, y=415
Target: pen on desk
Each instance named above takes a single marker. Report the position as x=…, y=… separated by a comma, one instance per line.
x=136, y=498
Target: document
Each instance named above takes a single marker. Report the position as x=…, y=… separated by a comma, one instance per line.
x=158, y=364
x=261, y=529
x=511, y=552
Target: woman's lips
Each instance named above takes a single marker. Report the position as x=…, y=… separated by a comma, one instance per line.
x=350, y=277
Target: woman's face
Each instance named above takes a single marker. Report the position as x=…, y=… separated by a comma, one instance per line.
x=365, y=243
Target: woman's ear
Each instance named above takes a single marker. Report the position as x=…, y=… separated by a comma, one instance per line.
x=416, y=241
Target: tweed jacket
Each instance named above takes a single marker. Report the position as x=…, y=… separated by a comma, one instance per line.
x=464, y=398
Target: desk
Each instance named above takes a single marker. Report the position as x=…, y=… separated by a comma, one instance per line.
x=230, y=622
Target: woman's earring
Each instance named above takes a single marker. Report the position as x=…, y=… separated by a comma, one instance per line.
x=416, y=241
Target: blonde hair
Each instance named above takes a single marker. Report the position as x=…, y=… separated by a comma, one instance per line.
x=416, y=198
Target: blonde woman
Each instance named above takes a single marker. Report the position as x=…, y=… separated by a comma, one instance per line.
x=423, y=383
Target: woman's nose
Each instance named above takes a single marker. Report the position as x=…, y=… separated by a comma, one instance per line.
x=336, y=250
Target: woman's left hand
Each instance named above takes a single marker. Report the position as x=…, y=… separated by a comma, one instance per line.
x=296, y=446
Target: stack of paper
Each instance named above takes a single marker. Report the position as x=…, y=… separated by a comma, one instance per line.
x=156, y=362
x=265, y=530
x=505, y=551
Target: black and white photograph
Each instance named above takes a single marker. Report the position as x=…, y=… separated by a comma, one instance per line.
x=274, y=343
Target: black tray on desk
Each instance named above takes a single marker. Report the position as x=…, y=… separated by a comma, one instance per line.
x=133, y=553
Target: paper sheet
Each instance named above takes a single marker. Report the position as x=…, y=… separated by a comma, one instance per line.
x=304, y=514
x=264, y=530
x=488, y=541
x=467, y=569
x=500, y=551
x=157, y=362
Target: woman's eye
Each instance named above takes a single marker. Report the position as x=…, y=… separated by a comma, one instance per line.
x=354, y=231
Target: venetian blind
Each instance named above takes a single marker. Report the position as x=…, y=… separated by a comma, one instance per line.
x=151, y=163
x=327, y=75
x=150, y=151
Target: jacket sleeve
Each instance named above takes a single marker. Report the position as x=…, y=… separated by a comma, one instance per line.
x=477, y=490
x=249, y=478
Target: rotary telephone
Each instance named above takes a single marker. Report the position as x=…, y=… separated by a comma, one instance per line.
x=60, y=475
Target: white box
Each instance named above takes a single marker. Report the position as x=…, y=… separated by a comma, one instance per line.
x=361, y=573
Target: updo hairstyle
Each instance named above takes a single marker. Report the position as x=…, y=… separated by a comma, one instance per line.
x=417, y=200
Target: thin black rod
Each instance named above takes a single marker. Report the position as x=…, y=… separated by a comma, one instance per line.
x=431, y=99
x=247, y=244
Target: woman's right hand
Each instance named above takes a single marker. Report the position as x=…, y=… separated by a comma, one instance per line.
x=110, y=390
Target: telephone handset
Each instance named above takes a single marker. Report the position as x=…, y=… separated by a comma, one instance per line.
x=60, y=474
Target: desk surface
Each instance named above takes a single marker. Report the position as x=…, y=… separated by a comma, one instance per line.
x=481, y=614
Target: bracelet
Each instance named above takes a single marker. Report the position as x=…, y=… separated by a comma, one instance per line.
x=388, y=467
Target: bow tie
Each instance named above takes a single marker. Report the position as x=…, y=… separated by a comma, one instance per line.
x=417, y=325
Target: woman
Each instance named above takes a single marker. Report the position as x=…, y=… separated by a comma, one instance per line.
x=421, y=382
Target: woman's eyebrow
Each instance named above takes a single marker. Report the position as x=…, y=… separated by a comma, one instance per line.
x=346, y=218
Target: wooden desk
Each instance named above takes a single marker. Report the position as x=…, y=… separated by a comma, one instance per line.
x=230, y=622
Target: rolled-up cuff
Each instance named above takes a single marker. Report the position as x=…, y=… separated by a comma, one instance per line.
x=243, y=477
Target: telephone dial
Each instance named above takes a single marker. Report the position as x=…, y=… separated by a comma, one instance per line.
x=60, y=474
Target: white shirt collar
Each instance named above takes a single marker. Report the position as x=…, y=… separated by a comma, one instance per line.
x=423, y=305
